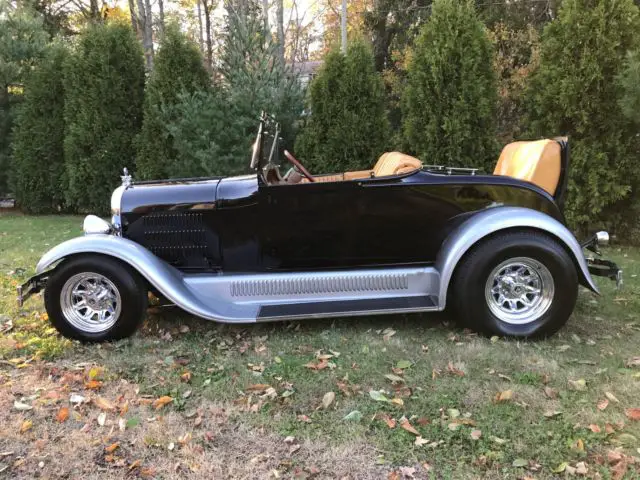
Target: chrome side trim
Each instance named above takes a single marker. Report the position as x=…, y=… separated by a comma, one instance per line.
x=238, y=298
x=300, y=285
x=497, y=219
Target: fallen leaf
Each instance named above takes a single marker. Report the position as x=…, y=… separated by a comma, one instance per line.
x=394, y=378
x=519, y=463
x=328, y=399
x=76, y=399
x=578, y=385
x=404, y=424
x=453, y=413
x=454, y=370
x=581, y=468
x=378, y=396
x=497, y=440
x=122, y=424
x=403, y=364
x=560, y=468
x=162, y=401
x=26, y=425
x=186, y=377
x=62, y=415
x=257, y=388
x=397, y=401
x=93, y=384
x=135, y=464
x=602, y=404
x=503, y=396
x=594, y=428
x=407, y=472
x=391, y=422
x=103, y=403
x=420, y=441
x=632, y=413
x=95, y=372
x=306, y=419
x=353, y=416
x=611, y=397
x=552, y=413
x=102, y=419
x=550, y=392
x=633, y=362
x=321, y=365
x=475, y=434
x=111, y=448
x=21, y=406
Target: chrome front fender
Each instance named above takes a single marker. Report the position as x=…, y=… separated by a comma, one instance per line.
x=169, y=281
x=498, y=219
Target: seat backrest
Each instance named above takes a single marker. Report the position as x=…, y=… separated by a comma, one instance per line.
x=538, y=162
x=395, y=163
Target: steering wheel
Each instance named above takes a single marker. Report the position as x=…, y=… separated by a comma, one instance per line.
x=296, y=163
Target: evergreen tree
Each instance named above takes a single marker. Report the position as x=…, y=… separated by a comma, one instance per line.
x=347, y=128
x=213, y=130
x=39, y=137
x=22, y=41
x=575, y=92
x=178, y=67
x=103, y=112
x=450, y=99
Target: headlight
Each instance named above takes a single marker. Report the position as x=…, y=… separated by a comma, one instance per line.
x=94, y=225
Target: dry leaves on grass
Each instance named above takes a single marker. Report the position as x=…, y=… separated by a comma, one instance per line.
x=103, y=404
x=62, y=414
x=404, y=424
x=602, y=404
x=632, y=413
x=503, y=396
x=162, y=401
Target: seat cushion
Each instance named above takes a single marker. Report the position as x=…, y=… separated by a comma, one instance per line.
x=395, y=163
x=538, y=162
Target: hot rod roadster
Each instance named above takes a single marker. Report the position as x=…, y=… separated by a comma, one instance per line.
x=401, y=237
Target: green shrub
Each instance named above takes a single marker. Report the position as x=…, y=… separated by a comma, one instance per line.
x=178, y=67
x=575, y=93
x=450, y=100
x=39, y=137
x=103, y=112
x=347, y=128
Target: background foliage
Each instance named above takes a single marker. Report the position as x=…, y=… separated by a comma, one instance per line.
x=39, y=137
x=178, y=68
x=450, y=98
x=347, y=128
x=575, y=92
x=104, y=79
x=449, y=81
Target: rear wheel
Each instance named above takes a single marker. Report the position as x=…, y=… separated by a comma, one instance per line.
x=521, y=284
x=94, y=298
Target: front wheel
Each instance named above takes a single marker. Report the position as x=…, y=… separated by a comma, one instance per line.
x=520, y=284
x=94, y=298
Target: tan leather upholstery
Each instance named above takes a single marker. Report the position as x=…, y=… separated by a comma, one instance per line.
x=395, y=163
x=536, y=162
x=391, y=163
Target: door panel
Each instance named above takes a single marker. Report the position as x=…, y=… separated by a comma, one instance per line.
x=308, y=225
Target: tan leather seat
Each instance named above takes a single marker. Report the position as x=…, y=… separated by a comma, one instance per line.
x=538, y=162
x=395, y=163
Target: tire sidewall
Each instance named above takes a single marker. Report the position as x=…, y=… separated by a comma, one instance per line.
x=127, y=282
x=539, y=248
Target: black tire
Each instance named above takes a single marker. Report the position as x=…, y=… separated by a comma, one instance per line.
x=130, y=287
x=471, y=302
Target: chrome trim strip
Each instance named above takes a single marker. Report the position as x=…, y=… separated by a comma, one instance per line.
x=497, y=219
x=238, y=298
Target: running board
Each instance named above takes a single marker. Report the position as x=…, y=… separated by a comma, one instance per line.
x=377, y=306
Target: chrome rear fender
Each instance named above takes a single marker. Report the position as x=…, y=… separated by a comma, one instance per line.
x=499, y=219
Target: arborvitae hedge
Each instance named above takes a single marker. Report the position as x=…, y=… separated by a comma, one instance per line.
x=347, y=128
x=450, y=99
x=103, y=112
x=39, y=136
x=178, y=68
x=575, y=92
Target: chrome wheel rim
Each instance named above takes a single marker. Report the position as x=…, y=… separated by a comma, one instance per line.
x=90, y=302
x=519, y=290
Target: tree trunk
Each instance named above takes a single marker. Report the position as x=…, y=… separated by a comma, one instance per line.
x=378, y=27
x=94, y=10
x=161, y=18
x=134, y=18
x=343, y=27
x=265, y=14
x=145, y=19
x=200, y=37
x=280, y=26
x=207, y=25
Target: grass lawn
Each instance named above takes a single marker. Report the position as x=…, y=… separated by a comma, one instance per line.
x=382, y=397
